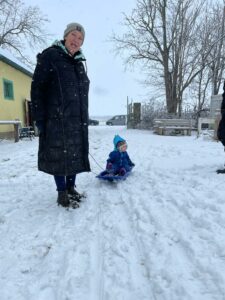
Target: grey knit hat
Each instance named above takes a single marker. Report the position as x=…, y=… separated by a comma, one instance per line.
x=74, y=26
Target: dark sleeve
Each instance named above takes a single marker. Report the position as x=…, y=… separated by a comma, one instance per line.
x=221, y=130
x=223, y=101
x=40, y=81
x=112, y=157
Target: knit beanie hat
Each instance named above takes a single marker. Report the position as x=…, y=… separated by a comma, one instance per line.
x=74, y=26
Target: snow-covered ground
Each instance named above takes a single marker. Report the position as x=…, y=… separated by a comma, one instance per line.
x=158, y=235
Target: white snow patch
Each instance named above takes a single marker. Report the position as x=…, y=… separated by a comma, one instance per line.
x=160, y=234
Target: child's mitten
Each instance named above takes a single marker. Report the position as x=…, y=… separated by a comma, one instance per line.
x=109, y=166
x=122, y=171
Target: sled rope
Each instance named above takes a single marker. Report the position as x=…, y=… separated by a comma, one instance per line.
x=96, y=163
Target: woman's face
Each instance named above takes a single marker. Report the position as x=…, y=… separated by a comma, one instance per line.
x=73, y=41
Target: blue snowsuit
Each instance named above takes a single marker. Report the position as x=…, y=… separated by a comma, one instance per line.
x=119, y=160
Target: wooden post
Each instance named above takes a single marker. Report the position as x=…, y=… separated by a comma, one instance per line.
x=217, y=121
x=16, y=132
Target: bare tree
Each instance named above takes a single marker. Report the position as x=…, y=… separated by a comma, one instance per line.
x=217, y=55
x=200, y=91
x=209, y=79
x=164, y=35
x=21, y=26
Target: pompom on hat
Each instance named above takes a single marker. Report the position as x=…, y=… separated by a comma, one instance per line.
x=74, y=26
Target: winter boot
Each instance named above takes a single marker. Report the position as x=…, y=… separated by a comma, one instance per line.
x=63, y=199
x=73, y=194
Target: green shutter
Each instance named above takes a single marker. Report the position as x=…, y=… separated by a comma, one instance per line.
x=8, y=89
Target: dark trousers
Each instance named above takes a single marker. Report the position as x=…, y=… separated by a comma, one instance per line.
x=64, y=182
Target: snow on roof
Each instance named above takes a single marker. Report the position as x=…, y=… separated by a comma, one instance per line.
x=8, y=57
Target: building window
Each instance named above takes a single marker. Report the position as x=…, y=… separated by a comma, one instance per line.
x=8, y=89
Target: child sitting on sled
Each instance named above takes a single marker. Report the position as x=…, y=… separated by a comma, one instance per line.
x=119, y=161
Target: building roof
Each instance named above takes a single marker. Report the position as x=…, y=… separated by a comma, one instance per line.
x=8, y=58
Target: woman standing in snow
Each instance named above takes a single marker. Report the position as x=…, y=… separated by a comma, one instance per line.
x=59, y=95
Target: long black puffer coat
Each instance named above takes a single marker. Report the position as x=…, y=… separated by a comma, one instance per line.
x=59, y=95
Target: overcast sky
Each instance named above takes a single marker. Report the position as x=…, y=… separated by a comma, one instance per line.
x=110, y=83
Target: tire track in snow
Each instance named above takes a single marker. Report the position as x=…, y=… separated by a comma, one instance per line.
x=97, y=248
x=142, y=249
x=201, y=220
x=161, y=237
x=187, y=241
x=126, y=248
x=92, y=249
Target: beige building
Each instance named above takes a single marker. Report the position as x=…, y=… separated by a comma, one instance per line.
x=15, y=82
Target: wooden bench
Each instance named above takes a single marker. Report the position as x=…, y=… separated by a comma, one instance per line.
x=16, y=124
x=172, y=126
